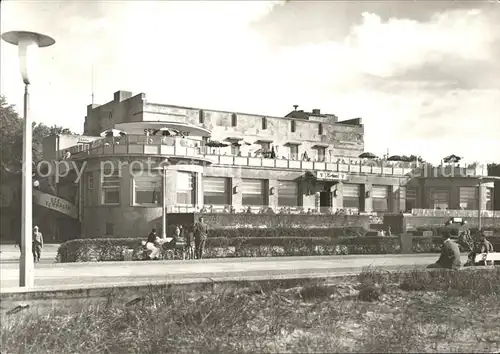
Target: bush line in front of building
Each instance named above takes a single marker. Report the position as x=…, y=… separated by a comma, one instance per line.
x=113, y=249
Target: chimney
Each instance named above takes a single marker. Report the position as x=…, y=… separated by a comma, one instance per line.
x=316, y=111
x=295, y=106
x=122, y=96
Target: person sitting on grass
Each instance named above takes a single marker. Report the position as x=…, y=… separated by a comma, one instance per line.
x=450, y=254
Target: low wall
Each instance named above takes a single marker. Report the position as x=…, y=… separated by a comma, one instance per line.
x=230, y=221
x=402, y=223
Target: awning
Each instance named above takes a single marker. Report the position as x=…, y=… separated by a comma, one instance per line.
x=264, y=141
x=234, y=138
x=292, y=143
x=320, y=145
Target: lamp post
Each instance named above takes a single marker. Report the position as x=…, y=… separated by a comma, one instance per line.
x=28, y=43
x=479, y=201
x=164, y=203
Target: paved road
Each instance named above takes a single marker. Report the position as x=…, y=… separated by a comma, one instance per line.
x=108, y=273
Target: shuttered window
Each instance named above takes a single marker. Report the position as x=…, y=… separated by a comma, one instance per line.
x=216, y=191
x=411, y=198
x=468, y=198
x=351, y=196
x=148, y=189
x=110, y=187
x=288, y=193
x=380, y=198
x=439, y=198
x=252, y=191
x=185, y=188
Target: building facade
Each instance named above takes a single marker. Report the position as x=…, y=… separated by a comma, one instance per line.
x=217, y=160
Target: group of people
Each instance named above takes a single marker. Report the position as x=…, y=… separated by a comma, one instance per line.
x=191, y=244
x=450, y=250
x=36, y=244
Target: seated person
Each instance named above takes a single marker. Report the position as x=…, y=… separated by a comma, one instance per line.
x=482, y=246
x=450, y=254
x=151, y=243
x=486, y=246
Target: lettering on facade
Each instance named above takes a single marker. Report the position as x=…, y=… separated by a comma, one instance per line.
x=330, y=176
x=55, y=203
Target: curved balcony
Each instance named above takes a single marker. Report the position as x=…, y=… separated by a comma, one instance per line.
x=191, y=148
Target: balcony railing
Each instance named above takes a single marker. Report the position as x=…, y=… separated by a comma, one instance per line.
x=191, y=148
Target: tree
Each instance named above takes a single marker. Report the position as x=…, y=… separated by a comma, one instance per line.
x=11, y=138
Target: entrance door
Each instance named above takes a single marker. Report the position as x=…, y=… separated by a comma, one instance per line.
x=325, y=201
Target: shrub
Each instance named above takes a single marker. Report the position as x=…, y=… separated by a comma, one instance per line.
x=287, y=232
x=440, y=230
x=422, y=244
x=427, y=244
x=112, y=249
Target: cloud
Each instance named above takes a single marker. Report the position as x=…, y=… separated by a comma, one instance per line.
x=422, y=75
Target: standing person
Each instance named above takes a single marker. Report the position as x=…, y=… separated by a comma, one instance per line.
x=37, y=244
x=151, y=245
x=450, y=254
x=200, y=237
x=190, y=244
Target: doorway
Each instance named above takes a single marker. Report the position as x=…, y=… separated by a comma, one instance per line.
x=325, y=201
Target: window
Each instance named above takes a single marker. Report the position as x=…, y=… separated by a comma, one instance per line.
x=202, y=117
x=320, y=128
x=411, y=198
x=468, y=198
x=439, y=198
x=110, y=185
x=351, y=196
x=264, y=123
x=185, y=188
x=110, y=228
x=265, y=146
x=288, y=193
x=235, y=149
x=321, y=151
x=82, y=146
x=294, y=151
x=489, y=199
x=292, y=126
x=216, y=191
x=89, y=192
x=380, y=198
x=148, y=190
x=234, y=120
x=252, y=191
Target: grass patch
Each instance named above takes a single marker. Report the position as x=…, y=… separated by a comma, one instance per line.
x=417, y=311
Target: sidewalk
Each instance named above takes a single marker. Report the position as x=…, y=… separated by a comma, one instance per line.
x=12, y=252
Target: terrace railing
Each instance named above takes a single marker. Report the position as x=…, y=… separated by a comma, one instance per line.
x=190, y=148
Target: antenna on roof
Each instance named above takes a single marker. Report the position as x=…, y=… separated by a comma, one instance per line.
x=295, y=106
x=92, y=83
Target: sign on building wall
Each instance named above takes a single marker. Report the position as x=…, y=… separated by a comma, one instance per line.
x=330, y=176
x=55, y=203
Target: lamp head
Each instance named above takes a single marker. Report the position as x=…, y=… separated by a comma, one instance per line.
x=28, y=43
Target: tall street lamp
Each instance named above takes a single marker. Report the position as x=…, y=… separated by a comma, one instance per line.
x=28, y=43
x=479, y=202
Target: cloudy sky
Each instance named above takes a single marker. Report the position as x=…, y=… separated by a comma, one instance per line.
x=423, y=75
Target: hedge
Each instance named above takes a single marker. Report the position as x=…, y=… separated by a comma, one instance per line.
x=112, y=249
x=433, y=244
x=289, y=232
x=439, y=230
